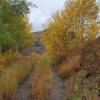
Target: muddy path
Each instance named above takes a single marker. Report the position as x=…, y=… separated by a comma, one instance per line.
x=58, y=88
x=24, y=91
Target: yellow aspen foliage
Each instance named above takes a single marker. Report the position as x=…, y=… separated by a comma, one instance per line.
x=93, y=31
x=29, y=35
x=82, y=13
x=55, y=38
x=71, y=26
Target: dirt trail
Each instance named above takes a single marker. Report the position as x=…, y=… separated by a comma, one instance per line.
x=24, y=91
x=58, y=89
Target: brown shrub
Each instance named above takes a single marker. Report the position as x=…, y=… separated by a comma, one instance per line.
x=91, y=57
x=70, y=66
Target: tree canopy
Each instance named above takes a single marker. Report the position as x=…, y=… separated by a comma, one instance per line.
x=14, y=28
x=72, y=26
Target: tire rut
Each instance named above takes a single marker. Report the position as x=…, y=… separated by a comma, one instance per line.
x=24, y=91
x=58, y=88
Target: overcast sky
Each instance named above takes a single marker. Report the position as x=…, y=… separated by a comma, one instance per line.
x=39, y=16
x=46, y=8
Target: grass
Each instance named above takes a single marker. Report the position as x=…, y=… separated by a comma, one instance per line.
x=13, y=76
x=2, y=63
x=80, y=87
x=47, y=60
x=41, y=84
x=6, y=59
x=42, y=78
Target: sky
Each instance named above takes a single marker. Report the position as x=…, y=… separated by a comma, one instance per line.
x=46, y=8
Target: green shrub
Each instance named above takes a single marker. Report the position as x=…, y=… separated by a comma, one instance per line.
x=47, y=60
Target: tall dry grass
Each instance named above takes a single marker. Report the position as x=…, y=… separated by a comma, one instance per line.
x=7, y=59
x=13, y=76
x=42, y=82
x=42, y=78
x=2, y=63
x=82, y=88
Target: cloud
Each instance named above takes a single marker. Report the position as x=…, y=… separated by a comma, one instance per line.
x=39, y=16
